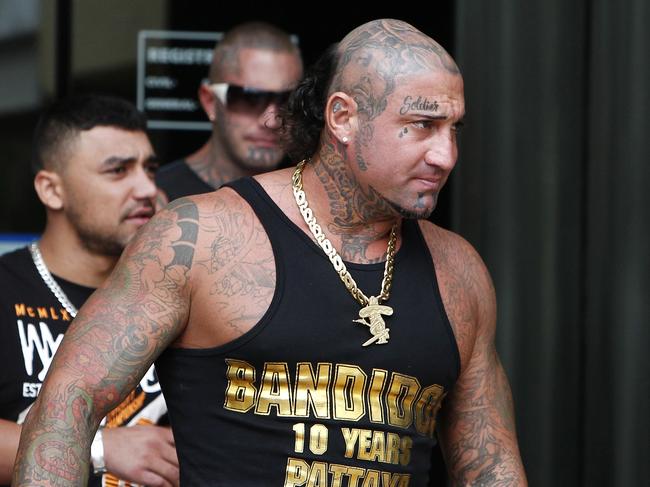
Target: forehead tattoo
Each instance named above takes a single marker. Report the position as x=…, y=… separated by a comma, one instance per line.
x=374, y=56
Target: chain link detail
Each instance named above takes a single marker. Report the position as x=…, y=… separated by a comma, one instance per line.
x=49, y=280
x=330, y=251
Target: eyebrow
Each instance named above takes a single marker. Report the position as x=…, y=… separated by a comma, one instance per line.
x=432, y=117
x=461, y=120
x=117, y=160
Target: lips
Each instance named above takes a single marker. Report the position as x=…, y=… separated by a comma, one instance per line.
x=264, y=141
x=432, y=183
x=141, y=215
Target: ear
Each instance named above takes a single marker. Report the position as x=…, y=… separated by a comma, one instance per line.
x=49, y=189
x=341, y=116
x=208, y=100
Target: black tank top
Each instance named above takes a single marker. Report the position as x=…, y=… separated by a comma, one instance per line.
x=298, y=400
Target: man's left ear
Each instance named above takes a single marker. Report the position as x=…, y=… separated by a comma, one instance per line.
x=49, y=189
x=341, y=117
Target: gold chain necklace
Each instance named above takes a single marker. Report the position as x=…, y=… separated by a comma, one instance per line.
x=372, y=309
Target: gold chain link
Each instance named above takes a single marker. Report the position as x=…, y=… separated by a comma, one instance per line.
x=330, y=251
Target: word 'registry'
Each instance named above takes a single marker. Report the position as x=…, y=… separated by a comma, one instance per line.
x=333, y=391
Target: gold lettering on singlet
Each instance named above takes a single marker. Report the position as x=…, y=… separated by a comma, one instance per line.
x=401, y=395
x=349, y=385
x=274, y=390
x=377, y=451
x=375, y=402
x=297, y=472
x=332, y=391
x=365, y=444
x=392, y=447
x=405, y=450
x=350, y=436
x=337, y=471
x=240, y=392
x=372, y=479
x=426, y=409
x=394, y=479
x=311, y=391
x=315, y=474
x=377, y=446
x=354, y=475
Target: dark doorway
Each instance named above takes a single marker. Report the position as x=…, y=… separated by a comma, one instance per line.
x=316, y=30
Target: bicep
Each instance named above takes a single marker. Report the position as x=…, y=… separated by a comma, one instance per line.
x=130, y=319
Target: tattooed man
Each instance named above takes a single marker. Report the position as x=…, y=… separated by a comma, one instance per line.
x=94, y=170
x=253, y=69
x=310, y=326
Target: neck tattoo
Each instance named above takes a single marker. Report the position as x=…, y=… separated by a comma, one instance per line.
x=49, y=280
x=372, y=311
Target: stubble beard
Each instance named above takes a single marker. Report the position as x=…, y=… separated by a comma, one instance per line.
x=100, y=244
x=95, y=240
x=418, y=212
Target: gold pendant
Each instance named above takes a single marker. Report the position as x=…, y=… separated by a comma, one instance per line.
x=373, y=311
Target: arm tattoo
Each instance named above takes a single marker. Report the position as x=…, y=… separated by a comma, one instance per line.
x=110, y=345
x=242, y=279
x=477, y=421
x=479, y=455
x=188, y=221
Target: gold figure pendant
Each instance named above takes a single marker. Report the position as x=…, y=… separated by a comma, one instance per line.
x=373, y=311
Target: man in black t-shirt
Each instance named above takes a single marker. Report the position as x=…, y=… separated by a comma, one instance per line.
x=253, y=69
x=94, y=173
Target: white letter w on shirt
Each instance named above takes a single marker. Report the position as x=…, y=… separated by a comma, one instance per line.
x=45, y=345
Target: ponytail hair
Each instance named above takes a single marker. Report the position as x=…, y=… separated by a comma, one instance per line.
x=303, y=116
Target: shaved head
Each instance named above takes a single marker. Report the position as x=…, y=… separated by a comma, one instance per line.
x=249, y=35
x=369, y=65
x=375, y=56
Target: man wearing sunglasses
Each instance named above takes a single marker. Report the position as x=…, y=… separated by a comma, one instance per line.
x=253, y=70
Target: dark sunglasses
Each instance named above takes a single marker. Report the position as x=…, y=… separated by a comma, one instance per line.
x=244, y=99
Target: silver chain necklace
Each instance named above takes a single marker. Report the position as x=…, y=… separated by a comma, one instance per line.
x=49, y=280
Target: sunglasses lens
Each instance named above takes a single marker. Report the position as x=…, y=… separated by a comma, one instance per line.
x=249, y=100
